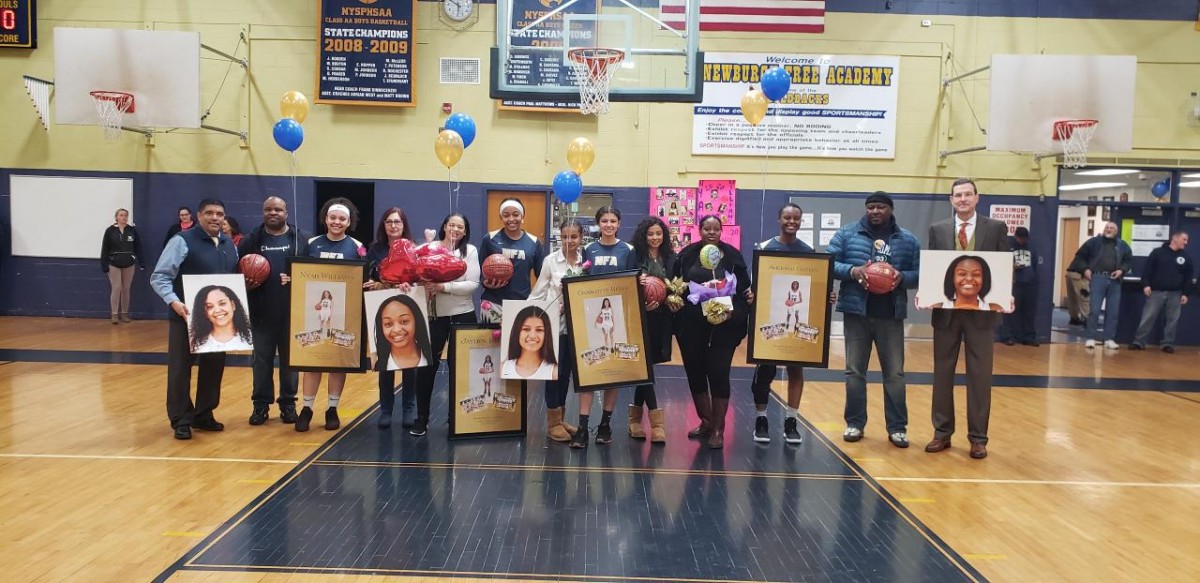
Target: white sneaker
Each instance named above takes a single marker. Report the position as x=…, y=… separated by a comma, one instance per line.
x=1089, y=344
x=1111, y=345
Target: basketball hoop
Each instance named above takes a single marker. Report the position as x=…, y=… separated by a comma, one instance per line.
x=1074, y=135
x=594, y=68
x=111, y=106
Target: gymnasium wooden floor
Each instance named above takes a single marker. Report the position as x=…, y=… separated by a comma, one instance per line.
x=1094, y=472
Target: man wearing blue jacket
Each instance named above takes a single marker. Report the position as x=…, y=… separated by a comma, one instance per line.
x=1166, y=281
x=875, y=318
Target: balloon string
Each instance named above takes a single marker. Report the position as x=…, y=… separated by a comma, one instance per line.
x=295, y=200
x=450, y=188
x=762, y=215
x=457, y=194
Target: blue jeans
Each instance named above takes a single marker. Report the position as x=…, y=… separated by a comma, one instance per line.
x=888, y=336
x=1107, y=291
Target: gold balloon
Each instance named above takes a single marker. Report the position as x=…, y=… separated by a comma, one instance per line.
x=580, y=155
x=294, y=104
x=754, y=106
x=449, y=147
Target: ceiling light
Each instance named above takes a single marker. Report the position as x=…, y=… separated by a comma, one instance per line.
x=1091, y=185
x=1196, y=175
x=1194, y=184
x=1108, y=172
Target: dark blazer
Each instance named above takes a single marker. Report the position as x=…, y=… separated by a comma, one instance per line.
x=990, y=235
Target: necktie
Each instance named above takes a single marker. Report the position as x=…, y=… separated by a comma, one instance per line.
x=962, y=236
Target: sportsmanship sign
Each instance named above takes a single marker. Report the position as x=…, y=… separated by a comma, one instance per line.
x=366, y=52
x=839, y=106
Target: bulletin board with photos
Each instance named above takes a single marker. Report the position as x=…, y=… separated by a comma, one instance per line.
x=482, y=404
x=607, y=325
x=326, y=330
x=790, y=317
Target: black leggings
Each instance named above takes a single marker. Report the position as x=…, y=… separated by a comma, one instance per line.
x=556, y=390
x=439, y=335
x=708, y=357
x=644, y=395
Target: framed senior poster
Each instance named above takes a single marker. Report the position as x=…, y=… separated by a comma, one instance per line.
x=325, y=325
x=789, y=320
x=966, y=280
x=481, y=403
x=607, y=325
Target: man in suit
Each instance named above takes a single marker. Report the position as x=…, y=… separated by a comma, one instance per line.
x=967, y=230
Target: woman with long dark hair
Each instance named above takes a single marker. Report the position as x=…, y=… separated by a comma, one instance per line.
x=393, y=226
x=120, y=250
x=453, y=303
x=530, y=351
x=707, y=348
x=566, y=262
x=219, y=321
x=656, y=259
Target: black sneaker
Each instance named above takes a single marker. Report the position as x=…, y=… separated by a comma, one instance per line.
x=762, y=430
x=1136, y=346
x=183, y=432
x=604, y=434
x=331, y=419
x=790, y=433
x=209, y=424
x=260, y=415
x=1168, y=349
x=303, y=419
x=419, y=427
x=580, y=438
x=287, y=413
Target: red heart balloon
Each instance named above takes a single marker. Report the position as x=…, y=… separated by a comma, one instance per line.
x=400, y=266
x=440, y=267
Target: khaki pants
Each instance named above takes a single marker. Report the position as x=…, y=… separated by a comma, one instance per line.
x=1077, y=305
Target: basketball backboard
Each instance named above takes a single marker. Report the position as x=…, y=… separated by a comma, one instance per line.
x=160, y=68
x=1029, y=93
x=661, y=44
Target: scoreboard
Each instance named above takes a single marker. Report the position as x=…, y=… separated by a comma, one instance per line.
x=18, y=24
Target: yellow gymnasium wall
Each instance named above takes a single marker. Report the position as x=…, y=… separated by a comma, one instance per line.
x=637, y=144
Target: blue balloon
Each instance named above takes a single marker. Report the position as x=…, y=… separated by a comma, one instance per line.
x=1161, y=188
x=775, y=83
x=288, y=134
x=568, y=186
x=464, y=125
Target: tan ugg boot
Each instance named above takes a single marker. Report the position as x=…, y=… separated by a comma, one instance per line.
x=571, y=429
x=658, y=434
x=635, y=423
x=554, y=425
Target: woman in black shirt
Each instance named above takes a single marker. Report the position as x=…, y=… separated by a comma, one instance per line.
x=120, y=250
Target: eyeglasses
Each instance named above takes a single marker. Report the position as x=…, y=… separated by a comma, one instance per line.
x=394, y=223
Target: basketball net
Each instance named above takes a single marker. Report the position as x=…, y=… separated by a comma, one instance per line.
x=594, y=69
x=1074, y=135
x=111, y=106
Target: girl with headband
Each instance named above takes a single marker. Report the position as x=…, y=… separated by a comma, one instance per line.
x=522, y=249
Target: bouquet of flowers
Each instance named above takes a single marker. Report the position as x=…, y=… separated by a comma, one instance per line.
x=714, y=298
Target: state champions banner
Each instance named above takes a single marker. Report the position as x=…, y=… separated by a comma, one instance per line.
x=365, y=52
x=839, y=106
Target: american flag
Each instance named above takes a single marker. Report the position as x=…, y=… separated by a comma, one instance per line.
x=750, y=15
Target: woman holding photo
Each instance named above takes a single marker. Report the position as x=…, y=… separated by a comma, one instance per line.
x=655, y=259
x=707, y=348
x=339, y=216
x=530, y=350
x=453, y=303
x=566, y=262
x=393, y=226
x=219, y=321
x=522, y=249
x=120, y=250
x=606, y=255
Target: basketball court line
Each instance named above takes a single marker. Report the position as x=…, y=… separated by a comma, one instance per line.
x=585, y=470
x=1197, y=401
x=145, y=458
x=1189, y=485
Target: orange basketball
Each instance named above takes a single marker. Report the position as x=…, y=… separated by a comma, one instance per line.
x=255, y=268
x=497, y=267
x=655, y=290
x=880, y=277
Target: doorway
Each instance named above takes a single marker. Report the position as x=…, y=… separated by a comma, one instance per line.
x=1068, y=243
x=362, y=194
x=535, y=211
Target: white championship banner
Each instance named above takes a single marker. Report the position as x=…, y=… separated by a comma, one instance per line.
x=839, y=106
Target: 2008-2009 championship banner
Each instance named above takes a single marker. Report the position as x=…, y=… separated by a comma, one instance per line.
x=838, y=106
x=365, y=52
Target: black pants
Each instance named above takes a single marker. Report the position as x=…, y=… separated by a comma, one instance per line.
x=180, y=410
x=707, y=353
x=1019, y=325
x=556, y=390
x=439, y=335
x=270, y=336
x=764, y=375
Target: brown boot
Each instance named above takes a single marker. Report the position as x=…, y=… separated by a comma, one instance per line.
x=554, y=425
x=703, y=410
x=571, y=429
x=719, y=408
x=636, y=430
x=657, y=433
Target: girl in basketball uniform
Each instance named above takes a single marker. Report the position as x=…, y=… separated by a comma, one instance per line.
x=487, y=372
x=793, y=304
x=339, y=216
x=604, y=321
x=392, y=227
x=324, y=310
x=565, y=262
x=606, y=255
x=524, y=250
x=655, y=259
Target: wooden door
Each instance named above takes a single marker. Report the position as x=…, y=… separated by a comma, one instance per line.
x=535, y=211
x=1067, y=245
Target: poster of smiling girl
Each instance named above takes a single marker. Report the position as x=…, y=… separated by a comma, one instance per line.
x=397, y=328
x=219, y=320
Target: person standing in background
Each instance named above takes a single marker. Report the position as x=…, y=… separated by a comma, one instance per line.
x=1167, y=282
x=120, y=250
x=185, y=223
x=275, y=240
x=1106, y=260
x=1019, y=325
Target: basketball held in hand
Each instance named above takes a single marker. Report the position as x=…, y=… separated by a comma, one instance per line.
x=497, y=267
x=255, y=268
x=655, y=290
x=880, y=278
